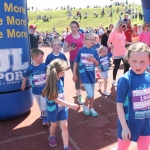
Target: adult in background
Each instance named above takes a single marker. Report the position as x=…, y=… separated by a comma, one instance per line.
x=72, y=43
x=34, y=37
x=128, y=31
x=117, y=42
x=105, y=39
x=145, y=34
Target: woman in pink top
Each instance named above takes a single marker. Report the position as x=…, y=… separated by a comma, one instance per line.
x=145, y=34
x=117, y=42
x=73, y=42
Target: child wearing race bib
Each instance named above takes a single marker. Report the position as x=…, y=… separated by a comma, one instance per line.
x=87, y=59
x=133, y=100
x=57, y=110
x=55, y=45
x=37, y=73
x=103, y=68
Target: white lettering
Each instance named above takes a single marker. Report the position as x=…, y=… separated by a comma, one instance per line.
x=17, y=60
x=4, y=60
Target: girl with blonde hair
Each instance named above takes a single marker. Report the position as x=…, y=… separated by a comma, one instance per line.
x=57, y=110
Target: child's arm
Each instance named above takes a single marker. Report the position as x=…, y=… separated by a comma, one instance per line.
x=92, y=59
x=74, y=72
x=126, y=134
x=23, y=83
x=120, y=98
x=67, y=104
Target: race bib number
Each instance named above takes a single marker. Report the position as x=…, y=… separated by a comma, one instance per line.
x=39, y=79
x=141, y=99
x=61, y=96
x=84, y=59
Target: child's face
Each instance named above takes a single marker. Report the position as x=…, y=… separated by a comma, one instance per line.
x=38, y=59
x=104, y=51
x=96, y=40
x=56, y=46
x=90, y=41
x=138, y=61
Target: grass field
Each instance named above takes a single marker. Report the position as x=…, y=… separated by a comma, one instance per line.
x=60, y=18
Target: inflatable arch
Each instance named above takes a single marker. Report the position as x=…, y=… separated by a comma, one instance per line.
x=14, y=59
x=146, y=10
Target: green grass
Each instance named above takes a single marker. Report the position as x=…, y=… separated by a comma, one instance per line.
x=61, y=21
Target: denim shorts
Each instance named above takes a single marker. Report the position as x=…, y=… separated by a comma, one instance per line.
x=89, y=90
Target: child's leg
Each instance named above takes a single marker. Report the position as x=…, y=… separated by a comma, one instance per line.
x=143, y=143
x=86, y=101
x=37, y=97
x=91, y=101
x=105, y=85
x=52, y=128
x=123, y=145
x=64, y=129
x=43, y=103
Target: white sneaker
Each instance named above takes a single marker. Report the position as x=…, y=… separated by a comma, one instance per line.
x=80, y=100
x=114, y=83
x=106, y=93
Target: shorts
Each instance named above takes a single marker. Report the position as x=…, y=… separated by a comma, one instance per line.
x=89, y=88
x=58, y=114
x=104, y=75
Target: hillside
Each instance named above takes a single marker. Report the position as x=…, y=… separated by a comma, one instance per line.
x=60, y=18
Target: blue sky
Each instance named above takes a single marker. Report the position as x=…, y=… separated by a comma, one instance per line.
x=41, y=4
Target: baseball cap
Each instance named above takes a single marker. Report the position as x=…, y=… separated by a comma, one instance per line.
x=33, y=26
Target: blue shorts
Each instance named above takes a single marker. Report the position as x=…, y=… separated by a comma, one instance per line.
x=58, y=114
x=89, y=88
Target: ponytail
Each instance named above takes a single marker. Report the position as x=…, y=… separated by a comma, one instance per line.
x=51, y=89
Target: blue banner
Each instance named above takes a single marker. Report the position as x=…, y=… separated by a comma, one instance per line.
x=14, y=44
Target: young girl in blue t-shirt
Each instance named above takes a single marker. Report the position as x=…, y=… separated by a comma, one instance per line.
x=87, y=59
x=133, y=100
x=56, y=105
x=55, y=45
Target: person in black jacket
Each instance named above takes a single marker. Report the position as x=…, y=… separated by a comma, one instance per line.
x=105, y=38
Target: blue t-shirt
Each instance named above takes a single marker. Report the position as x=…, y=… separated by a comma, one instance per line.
x=133, y=91
x=37, y=76
x=51, y=57
x=95, y=46
x=55, y=112
x=105, y=62
x=86, y=69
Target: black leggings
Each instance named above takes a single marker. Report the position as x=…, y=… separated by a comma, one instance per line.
x=117, y=64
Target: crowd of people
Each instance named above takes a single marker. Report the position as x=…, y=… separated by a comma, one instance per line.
x=91, y=53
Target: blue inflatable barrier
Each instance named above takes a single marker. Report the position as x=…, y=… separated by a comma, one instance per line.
x=14, y=59
x=146, y=10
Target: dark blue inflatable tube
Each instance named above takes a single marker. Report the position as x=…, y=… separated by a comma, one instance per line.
x=146, y=10
x=14, y=59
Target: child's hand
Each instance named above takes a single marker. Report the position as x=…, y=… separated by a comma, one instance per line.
x=74, y=106
x=99, y=70
x=23, y=87
x=90, y=59
x=126, y=134
x=74, y=78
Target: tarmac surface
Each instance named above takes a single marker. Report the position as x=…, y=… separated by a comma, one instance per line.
x=85, y=133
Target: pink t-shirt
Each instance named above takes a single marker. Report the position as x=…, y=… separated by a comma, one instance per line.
x=79, y=44
x=145, y=38
x=118, y=40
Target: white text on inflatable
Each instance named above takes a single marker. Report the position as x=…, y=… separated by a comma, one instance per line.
x=11, y=65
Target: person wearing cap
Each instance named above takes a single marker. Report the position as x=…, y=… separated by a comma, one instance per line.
x=34, y=37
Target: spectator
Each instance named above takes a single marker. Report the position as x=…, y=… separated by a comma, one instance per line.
x=145, y=34
x=117, y=42
x=72, y=44
x=34, y=37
